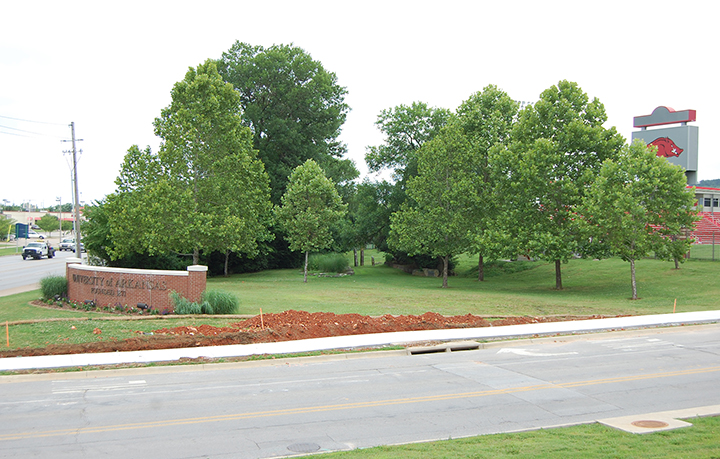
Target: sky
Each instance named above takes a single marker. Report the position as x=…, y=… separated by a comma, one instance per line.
x=109, y=67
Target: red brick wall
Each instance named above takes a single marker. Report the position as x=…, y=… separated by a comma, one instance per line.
x=128, y=287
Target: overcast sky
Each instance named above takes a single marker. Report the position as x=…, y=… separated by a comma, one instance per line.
x=109, y=67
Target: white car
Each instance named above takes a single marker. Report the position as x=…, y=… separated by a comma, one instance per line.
x=33, y=235
x=67, y=244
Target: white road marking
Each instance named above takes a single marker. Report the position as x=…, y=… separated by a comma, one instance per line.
x=532, y=352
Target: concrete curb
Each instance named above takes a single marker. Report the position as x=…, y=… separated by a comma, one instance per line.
x=358, y=341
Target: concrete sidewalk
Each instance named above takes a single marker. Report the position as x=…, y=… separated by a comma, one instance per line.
x=359, y=341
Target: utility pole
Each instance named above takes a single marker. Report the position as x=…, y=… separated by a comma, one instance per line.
x=59, y=199
x=76, y=194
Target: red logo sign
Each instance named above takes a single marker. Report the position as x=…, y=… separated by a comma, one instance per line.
x=666, y=147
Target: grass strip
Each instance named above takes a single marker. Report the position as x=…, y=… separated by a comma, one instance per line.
x=702, y=440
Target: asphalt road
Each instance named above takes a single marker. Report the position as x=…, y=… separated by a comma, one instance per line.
x=18, y=275
x=284, y=407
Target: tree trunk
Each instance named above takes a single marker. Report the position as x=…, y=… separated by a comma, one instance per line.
x=632, y=279
x=481, y=268
x=355, y=256
x=558, y=276
x=227, y=257
x=677, y=264
x=445, y=271
x=196, y=256
x=362, y=256
x=307, y=254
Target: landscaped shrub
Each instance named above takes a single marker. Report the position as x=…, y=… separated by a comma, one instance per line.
x=206, y=308
x=221, y=302
x=184, y=306
x=328, y=263
x=213, y=302
x=53, y=285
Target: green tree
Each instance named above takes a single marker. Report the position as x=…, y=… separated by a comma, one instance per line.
x=310, y=207
x=49, y=223
x=637, y=204
x=7, y=226
x=440, y=221
x=205, y=190
x=66, y=225
x=294, y=107
x=96, y=230
x=486, y=119
x=406, y=128
x=558, y=145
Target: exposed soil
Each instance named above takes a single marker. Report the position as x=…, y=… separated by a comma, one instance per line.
x=285, y=326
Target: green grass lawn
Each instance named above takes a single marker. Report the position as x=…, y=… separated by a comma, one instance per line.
x=702, y=440
x=591, y=287
x=10, y=250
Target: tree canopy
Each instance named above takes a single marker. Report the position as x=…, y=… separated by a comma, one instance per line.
x=294, y=107
x=310, y=206
x=406, y=129
x=486, y=120
x=204, y=190
x=639, y=203
x=49, y=223
x=440, y=219
x=556, y=149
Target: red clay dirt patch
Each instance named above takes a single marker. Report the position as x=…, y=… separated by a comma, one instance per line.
x=285, y=326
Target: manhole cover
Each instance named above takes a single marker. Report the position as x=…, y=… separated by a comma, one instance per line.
x=304, y=447
x=650, y=424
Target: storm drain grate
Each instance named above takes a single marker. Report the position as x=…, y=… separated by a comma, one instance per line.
x=304, y=447
x=445, y=347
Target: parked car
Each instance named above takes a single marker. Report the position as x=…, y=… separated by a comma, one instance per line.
x=37, y=250
x=67, y=244
x=33, y=235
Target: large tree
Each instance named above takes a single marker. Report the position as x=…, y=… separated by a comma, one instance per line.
x=440, y=220
x=639, y=204
x=406, y=128
x=310, y=207
x=205, y=190
x=558, y=145
x=486, y=119
x=294, y=107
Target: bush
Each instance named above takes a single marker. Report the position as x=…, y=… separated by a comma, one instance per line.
x=213, y=302
x=206, y=308
x=53, y=285
x=184, y=306
x=221, y=302
x=328, y=263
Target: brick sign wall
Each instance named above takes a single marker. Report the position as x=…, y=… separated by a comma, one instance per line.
x=128, y=287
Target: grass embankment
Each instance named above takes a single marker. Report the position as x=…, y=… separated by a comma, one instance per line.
x=591, y=287
x=702, y=440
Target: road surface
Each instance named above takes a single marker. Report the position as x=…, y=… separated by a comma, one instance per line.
x=18, y=275
x=282, y=407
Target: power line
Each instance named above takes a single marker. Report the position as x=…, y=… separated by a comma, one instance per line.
x=31, y=121
x=29, y=132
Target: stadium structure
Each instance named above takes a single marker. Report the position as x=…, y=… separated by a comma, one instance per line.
x=668, y=130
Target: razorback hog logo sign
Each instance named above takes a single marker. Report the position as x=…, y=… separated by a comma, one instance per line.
x=666, y=147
